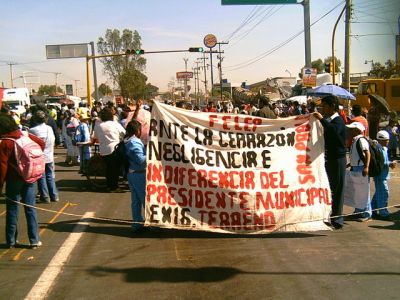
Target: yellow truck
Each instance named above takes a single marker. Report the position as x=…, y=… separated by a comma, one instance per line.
x=387, y=88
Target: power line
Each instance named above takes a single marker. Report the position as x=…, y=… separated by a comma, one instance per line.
x=244, y=22
x=371, y=34
x=263, y=14
x=265, y=54
x=372, y=22
x=269, y=14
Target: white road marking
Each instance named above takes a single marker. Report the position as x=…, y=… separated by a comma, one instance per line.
x=46, y=280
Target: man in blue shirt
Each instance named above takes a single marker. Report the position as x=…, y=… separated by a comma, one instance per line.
x=380, y=199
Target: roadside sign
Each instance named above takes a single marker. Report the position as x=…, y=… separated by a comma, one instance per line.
x=66, y=51
x=257, y=2
x=309, y=77
x=184, y=75
x=69, y=89
x=210, y=40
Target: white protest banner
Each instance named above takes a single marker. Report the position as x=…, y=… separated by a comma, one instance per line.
x=235, y=173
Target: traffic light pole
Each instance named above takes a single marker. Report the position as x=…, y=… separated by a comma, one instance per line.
x=96, y=88
x=333, y=62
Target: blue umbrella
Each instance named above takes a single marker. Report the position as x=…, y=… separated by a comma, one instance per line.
x=329, y=89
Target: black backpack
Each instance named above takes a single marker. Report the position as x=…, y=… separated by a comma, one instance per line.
x=120, y=155
x=377, y=160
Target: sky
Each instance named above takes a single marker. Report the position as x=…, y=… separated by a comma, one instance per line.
x=253, y=32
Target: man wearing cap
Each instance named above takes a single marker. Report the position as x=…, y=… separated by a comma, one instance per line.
x=335, y=154
x=360, y=165
x=46, y=185
x=380, y=199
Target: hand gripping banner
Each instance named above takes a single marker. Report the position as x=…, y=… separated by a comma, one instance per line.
x=235, y=173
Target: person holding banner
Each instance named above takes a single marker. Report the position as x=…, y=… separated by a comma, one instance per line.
x=136, y=153
x=335, y=154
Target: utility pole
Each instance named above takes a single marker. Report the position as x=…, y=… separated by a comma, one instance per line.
x=195, y=84
x=186, y=91
x=205, y=76
x=212, y=73
x=220, y=66
x=347, y=46
x=11, y=74
x=76, y=87
x=96, y=88
x=307, y=32
x=198, y=84
x=56, y=74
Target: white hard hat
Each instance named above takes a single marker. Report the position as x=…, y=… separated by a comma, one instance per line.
x=382, y=135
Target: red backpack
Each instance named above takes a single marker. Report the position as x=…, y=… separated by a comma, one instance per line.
x=29, y=157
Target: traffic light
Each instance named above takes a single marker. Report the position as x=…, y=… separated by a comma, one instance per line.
x=134, y=51
x=196, y=49
x=328, y=67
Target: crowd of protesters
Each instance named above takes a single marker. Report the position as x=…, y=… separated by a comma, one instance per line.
x=79, y=128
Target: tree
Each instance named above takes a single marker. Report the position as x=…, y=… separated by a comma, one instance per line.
x=385, y=71
x=119, y=67
x=319, y=65
x=48, y=90
x=338, y=63
x=105, y=89
x=151, y=90
x=132, y=83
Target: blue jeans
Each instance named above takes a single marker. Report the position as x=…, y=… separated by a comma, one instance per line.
x=381, y=196
x=47, y=185
x=137, y=185
x=25, y=192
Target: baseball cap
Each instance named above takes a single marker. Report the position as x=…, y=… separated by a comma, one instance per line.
x=357, y=125
x=382, y=135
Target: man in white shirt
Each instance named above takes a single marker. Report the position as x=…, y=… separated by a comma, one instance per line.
x=109, y=133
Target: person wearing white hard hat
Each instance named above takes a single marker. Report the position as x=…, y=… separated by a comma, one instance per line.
x=359, y=164
x=380, y=199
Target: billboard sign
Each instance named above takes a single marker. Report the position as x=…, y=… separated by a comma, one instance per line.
x=309, y=77
x=184, y=75
x=69, y=89
x=210, y=40
x=66, y=51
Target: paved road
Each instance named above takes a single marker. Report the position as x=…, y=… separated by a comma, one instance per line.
x=103, y=260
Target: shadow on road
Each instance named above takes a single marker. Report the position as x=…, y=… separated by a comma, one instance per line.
x=122, y=228
x=394, y=225
x=205, y=274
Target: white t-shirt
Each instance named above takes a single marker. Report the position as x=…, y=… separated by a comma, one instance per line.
x=109, y=134
x=355, y=159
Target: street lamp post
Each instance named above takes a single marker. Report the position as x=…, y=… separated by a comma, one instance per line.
x=290, y=74
x=370, y=61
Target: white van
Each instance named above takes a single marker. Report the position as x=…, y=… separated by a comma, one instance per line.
x=16, y=99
